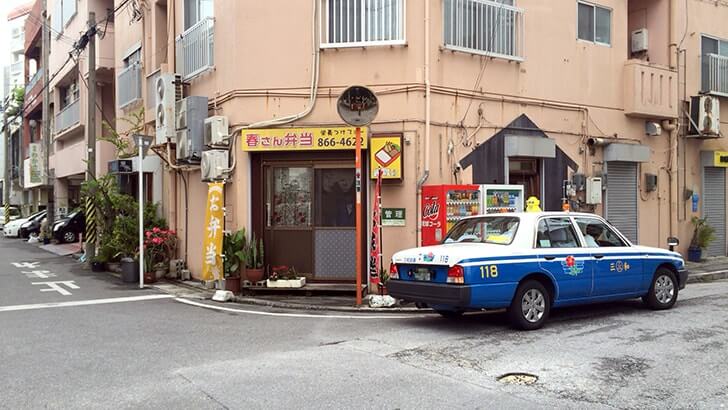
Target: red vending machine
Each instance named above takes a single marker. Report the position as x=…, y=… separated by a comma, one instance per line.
x=443, y=205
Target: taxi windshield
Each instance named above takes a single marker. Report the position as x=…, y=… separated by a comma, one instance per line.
x=488, y=229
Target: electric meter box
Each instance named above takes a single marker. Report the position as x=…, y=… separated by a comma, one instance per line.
x=594, y=190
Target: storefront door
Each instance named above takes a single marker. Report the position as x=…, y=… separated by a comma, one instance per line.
x=309, y=219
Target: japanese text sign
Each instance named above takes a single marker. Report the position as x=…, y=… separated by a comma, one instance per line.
x=212, y=240
x=393, y=217
x=302, y=139
x=720, y=159
x=386, y=154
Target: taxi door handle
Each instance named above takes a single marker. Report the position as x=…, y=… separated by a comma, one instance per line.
x=549, y=258
x=598, y=256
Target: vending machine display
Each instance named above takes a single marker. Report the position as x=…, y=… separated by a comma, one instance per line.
x=502, y=198
x=443, y=205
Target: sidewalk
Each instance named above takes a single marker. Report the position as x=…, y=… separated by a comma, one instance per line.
x=710, y=269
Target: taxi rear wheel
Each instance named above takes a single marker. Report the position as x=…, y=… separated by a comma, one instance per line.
x=663, y=291
x=531, y=306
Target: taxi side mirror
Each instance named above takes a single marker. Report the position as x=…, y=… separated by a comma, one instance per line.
x=672, y=242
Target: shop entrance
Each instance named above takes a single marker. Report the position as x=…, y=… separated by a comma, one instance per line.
x=525, y=171
x=309, y=218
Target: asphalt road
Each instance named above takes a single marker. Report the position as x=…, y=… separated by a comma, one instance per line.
x=160, y=353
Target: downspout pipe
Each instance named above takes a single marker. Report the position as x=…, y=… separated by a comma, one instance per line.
x=426, y=172
x=671, y=127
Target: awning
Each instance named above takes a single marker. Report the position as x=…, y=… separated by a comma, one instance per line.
x=626, y=153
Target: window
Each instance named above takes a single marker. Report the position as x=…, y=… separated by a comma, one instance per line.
x=69, y=94
x=714, y=65
x=134, y=57
x=594, y=23
x=335, y=196
x=197, y=10
x=361, y=22
x=492, y=229
x=63, y=12
x=597, y=234
x=69, y=10
x=484, y=27
x=556, y=233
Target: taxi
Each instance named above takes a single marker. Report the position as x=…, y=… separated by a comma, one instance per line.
x=532, y=261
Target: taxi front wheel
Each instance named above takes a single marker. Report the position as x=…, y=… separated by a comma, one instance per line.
x=663, y=291
x=531, y=306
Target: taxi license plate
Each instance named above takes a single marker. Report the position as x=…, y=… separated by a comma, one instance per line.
x=423, y=274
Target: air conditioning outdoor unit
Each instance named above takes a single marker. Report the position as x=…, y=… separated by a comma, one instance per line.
x=216, y=131
x=214, y=165
x=190, y=113
x=120, y=166
x=704, y=116
x=189, y=149
x=167, y=90
x=639, y=40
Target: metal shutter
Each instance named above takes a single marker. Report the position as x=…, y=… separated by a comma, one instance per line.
x=621, y=198
x=714, y=208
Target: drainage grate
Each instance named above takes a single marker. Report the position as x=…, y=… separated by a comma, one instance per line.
x=518, y=378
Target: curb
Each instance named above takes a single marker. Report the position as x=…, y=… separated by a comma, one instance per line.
x=704, y=277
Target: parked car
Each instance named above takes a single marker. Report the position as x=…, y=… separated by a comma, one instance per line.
x=32, y=225
x=70, y=228
x=531, y=262
x=12, y=229
x=13, y=212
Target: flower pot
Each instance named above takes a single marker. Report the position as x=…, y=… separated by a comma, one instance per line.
x=98, y=266
x=129, y=271
x=254, y=275
x=695, y=254
x=150, y=277
x=113, y=267
x=233, y=284
x=286, y=283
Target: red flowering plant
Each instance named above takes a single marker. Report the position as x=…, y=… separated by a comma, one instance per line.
x=160, y=244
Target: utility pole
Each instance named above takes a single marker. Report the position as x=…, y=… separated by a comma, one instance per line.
x=91, y=125
x=6, y=182
x=45, y=121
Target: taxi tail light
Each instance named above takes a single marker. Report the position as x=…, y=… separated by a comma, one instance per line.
x=393, y=272
x=456, y=274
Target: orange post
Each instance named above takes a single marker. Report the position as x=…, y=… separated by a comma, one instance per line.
x=357, y=165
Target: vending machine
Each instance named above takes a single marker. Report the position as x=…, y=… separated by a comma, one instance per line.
x=499, y=198
x=443, y=205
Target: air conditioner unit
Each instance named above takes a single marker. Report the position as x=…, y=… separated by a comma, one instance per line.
x=189, y=149
x=120, y=166
x=639, y=40
x=704, y=116
x=214, y=165
x=167, y=90
x=216, y=131
x=190, y=113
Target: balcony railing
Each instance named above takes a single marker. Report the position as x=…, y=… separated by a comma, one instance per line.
x=361, y=23
x=650, y=91
x=484, y=27
x=69, y=116
x=16, y=67
x=33, y=81
x=129, y=82
x=715, y=74
x=195, y=49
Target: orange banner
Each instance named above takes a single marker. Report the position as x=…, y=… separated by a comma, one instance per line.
x=212, y=243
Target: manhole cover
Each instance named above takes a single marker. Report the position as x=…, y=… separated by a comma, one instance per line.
x=518, y=378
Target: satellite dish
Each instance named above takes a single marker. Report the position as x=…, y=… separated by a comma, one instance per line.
x=357, y=106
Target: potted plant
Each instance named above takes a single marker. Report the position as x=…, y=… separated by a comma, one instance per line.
x=125, y=241
x=159, y=247
x=285, y=277
x=383, y=278
x=233, y=258
x=254, y=259
x=98, y=263
x=703, y=234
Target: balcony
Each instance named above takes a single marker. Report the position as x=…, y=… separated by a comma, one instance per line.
x=129, y=83
x=715, y=74
x=33, y=81
x=484, y=27
x=16, y=68
x=68, y=117
x=195, y=49
x=650, y=91
x=17, y=44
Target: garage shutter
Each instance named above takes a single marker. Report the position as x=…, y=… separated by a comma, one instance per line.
x=621, y=198
x=714, y=208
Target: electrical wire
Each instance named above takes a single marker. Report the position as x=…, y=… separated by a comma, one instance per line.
x=103, y=115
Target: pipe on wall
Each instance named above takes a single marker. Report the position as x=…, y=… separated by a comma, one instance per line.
x=426, y=172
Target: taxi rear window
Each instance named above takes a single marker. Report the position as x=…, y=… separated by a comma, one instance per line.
x=488, y=229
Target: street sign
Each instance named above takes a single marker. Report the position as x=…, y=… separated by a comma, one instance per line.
x=357, y=106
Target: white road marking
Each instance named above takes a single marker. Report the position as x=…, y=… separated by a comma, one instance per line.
x=40, y=274
x=56, y=286
x=83, y=302
x=299, y=315
x=30, y=265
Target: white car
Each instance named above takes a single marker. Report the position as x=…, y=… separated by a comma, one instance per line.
x=14, y=215
x=12, y=229
x=530, y=262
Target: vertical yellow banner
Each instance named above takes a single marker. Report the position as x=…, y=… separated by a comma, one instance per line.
x=212, y=244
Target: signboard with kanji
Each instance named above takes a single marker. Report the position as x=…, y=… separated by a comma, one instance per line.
x=393, y=217
x=302, y=139
x=212, y=239
x=386, y=154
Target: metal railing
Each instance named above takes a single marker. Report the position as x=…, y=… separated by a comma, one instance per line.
x=129, y=83
x=716, y=80
x=195, y=49
x=33, y=81
x=484, y=27
x=356, y=23
x=69, y=116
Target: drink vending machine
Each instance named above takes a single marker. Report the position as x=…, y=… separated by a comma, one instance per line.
x=499, y=198
x=443, y=205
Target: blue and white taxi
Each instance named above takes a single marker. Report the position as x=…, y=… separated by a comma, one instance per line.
x=530, y=262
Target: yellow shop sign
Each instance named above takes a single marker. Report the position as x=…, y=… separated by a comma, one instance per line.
x=386, y=154
x=302, y=139
x=720, y=159
x=212, y=242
